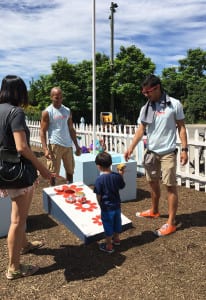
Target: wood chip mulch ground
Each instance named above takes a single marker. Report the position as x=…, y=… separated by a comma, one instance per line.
x=142, y=267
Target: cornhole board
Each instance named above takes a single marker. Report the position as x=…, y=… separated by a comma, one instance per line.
x=83, y=219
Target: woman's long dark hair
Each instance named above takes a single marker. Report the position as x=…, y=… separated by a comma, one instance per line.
x=13, y=91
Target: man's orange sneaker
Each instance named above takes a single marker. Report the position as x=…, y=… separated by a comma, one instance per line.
x=166, y=229
x=147, y=214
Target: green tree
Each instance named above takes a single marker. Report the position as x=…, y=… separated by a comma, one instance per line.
x=84, y=79
x=64, y=76
x=194, y=64
x=195, y=104
x=103, y=84
x=174, y=83
x=131, y=67
x=193, y=69
x=39, y=93
x=187, y=82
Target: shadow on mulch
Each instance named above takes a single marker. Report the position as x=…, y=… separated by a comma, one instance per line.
x=38, y=222
x=86, y=262
x=80, y=262
x=184, y=221
x=195, y=219
x=142, y=195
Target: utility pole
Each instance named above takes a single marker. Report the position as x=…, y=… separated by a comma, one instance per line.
x=111, y=17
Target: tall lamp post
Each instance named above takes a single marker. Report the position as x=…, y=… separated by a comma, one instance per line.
x=111, y=17
x=94, y=72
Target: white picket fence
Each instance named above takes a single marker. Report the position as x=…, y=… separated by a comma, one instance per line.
x=118, y=138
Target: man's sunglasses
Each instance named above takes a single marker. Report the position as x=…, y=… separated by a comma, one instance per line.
x=146, y=91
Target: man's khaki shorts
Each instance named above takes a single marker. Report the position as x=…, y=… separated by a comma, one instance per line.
x=164, y=167
x=59, y=153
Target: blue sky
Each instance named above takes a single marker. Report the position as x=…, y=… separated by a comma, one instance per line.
x=35, y=33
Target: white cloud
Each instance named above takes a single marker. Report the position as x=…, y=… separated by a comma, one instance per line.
x=34, y=33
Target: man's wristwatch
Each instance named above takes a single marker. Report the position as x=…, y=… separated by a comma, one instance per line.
x=184, y=149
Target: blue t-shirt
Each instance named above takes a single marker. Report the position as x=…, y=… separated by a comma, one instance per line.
x=108, y=186
x=161, y=133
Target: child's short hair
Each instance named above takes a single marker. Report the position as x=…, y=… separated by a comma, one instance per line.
x=103, y=159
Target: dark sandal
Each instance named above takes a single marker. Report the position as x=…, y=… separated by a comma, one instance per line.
x=32, y=246
x=24, y=271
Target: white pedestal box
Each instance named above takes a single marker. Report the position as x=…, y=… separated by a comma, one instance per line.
x=87, y=172
x=5, y=215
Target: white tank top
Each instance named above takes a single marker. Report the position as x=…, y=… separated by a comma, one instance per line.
x=58, y=131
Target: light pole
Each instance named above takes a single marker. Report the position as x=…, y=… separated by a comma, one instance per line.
x=94, y=72
x=111, y=17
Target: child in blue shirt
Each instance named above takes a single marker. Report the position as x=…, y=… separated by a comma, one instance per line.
x=107, y=188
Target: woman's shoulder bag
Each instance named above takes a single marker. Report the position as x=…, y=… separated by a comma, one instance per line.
x=15, y=170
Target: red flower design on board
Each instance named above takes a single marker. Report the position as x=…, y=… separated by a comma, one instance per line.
x=75, y=188
x=66, y=190
x=97, y=220
x=87, y=206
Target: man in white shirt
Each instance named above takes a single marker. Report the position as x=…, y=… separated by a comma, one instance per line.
x=160, y=117
x=57, y=121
